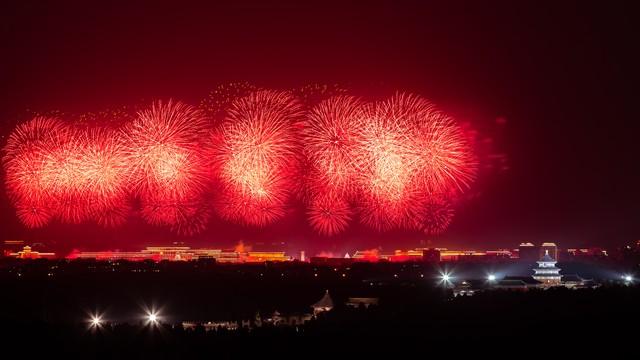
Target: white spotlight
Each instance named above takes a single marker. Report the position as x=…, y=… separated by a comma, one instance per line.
x=95, y=321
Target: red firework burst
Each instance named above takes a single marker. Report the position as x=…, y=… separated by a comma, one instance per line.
x=31, y=180
x=393, y=158
x=249, y=210
x=256, y=156
x=330, y=136
x=444, y=161
x=164, y=149
x=164, y=152
x=33, y=213
x=185, y=216
x=329, y=214
x=438, y=214
x=408, y=150
x=104, y=174
x=24, y=153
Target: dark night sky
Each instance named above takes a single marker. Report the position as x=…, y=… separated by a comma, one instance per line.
x=563, y=75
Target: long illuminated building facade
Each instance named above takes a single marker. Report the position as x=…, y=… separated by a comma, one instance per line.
x=183, y=253
x=435, y=255
x=526, y=252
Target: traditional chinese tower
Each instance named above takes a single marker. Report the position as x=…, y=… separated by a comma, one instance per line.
x=547, y=272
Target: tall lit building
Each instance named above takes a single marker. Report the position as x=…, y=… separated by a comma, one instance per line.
x=547, y=272
x=27, y=253
x=550, y=248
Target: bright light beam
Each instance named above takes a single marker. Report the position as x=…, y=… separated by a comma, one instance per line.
x=446, y=278
x=153, y=318
x=95, y=321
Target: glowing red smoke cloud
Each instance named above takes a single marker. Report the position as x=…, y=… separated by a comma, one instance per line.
x=395, y=163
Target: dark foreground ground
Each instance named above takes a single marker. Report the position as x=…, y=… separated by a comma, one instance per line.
x=44, y=315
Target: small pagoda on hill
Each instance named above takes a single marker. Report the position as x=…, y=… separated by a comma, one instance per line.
x=325, y=304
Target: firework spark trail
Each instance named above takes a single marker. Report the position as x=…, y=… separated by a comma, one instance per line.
x=23, y=156
x=164, y=149
x=257, y=156
x=396, y=163
x=438, y=213
x=168, y=167
x=407, y=150
x=330, y=137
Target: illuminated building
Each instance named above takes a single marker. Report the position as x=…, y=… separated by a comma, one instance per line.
x=324, y=304
x=362, y=301
x=27, y=253
x=410, y=255
x=474, y=255
x=182, y=253
x=549, y=248
x=547, y=273
x=426, y=254
x=11, y=246
x=587, y=252
x=366, y=255
x=262, y=256
x=464, y=288
x=289, y=320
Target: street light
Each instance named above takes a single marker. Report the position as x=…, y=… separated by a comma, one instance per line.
x=491, y=277
x=446, y=278
x=153, y=318
x=95, y=321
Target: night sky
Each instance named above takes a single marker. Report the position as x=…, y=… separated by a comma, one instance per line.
x=563, y=76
